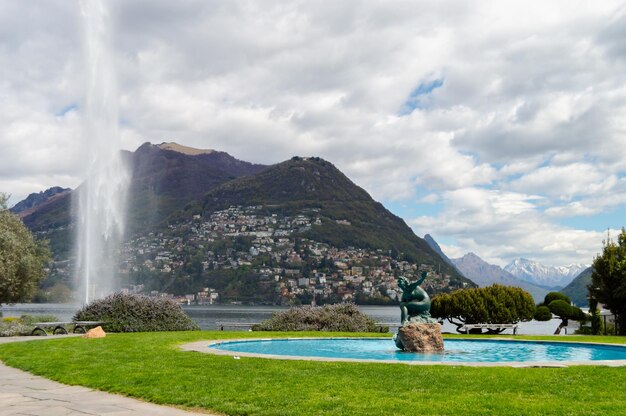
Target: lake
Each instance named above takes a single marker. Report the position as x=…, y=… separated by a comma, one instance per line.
x=208, y=316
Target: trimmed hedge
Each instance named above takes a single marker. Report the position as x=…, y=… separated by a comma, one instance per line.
x=136, y=313
x=543, y=313
x=333, y=318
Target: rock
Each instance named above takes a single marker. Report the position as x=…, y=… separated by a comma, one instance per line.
x=96, y=332
x=420, y=337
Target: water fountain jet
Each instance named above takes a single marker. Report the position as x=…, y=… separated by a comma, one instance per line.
x=101, y=198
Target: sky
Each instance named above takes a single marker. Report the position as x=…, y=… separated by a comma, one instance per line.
x=498, y=127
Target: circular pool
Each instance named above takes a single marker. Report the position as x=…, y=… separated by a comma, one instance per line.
x=457, y=351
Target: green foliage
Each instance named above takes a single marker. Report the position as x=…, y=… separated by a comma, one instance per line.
x=560, y=308
x=556, y=296
x=559, y=305
x=495, y=304
x=22, y=258
x=596, y=320
x=335, y=318
x=609, y=279
x=542, y=313
x=134, y=313
x=57, y=293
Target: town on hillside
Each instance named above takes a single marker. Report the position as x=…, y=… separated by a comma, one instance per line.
x=246, y=254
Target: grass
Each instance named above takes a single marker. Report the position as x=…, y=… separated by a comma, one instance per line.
x=151, y=367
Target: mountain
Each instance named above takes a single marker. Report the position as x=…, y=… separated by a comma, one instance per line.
x=485, y=274
x=349, y=216
x=435, y=246
x=577, y=289
x=176, y=189
x=164, y=178
x=168, y=176
x=551, y=277
x=36, y=200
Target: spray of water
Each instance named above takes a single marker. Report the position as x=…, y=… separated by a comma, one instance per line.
x=101, y=198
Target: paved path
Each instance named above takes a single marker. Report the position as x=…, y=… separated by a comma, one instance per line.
x=22, y=393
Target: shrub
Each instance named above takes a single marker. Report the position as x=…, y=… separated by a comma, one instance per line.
x=13, y=326
x=333, y=318
x=542, y=313
x=560, y=308
x=552, y=296
x=135, y=313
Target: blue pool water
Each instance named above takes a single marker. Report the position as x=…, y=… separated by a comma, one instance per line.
x=456, y=350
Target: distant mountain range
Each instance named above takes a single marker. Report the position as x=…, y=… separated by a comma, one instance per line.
x=36, y=200
x=171, y=182
x=549, y=277
x=485, y=274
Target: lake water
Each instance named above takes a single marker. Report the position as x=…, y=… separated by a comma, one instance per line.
x=209, y=316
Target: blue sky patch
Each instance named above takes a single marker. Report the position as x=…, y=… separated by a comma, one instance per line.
x=67, y=109
x=417, y=98
x=598, y=222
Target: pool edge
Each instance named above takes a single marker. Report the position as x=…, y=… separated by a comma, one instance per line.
x=204, y=347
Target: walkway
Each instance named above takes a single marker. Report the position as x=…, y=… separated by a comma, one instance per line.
x=22, y=393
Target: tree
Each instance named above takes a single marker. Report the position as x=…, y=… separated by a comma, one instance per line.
x=608, y=280
x=495, y=304
x=22, y=258
x=558, y=304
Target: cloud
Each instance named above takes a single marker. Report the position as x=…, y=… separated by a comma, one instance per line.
x=511, y=115
x=502, y=226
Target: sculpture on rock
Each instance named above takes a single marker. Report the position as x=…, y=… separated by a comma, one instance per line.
x=415, y=302
x=418, y=331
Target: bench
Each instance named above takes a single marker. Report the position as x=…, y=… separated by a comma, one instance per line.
x=222, y=325
x=80, y=327
x=467, y=327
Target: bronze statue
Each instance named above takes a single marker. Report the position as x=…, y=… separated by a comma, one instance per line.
x=415, y=302
x=418, y=332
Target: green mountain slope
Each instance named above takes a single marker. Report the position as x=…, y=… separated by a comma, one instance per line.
x=577, y=289
x=349, y=216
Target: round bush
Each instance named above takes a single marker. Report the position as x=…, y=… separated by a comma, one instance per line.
x=552, y=296
x=542, y=313
x=560, y=308
x=578, y=314
x=136, y=313
x=333, y=318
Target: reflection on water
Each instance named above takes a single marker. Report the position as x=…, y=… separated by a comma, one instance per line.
x=209, y=315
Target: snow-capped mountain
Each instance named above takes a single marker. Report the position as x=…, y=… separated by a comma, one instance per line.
x=485, y=274
x=542, y=275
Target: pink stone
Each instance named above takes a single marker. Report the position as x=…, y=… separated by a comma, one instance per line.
x=418, y=337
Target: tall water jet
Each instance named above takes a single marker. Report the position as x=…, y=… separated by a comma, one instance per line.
x=101, y=198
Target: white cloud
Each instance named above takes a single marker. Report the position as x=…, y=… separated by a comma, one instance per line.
x=502, y=226
x=527, y=126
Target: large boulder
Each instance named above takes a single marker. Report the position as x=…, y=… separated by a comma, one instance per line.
x=96, y=332
x=420, y=337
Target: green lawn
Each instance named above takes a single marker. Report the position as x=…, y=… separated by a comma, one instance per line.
x=150, y=366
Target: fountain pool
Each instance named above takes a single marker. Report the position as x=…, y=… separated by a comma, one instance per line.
x=458, y=351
